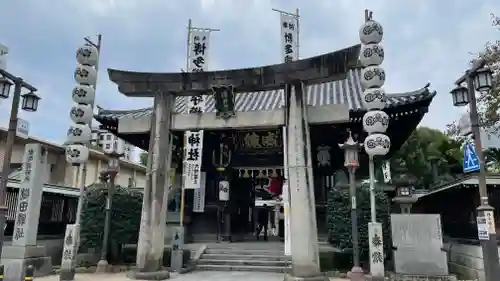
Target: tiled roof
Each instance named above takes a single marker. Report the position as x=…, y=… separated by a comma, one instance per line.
x=347, y=91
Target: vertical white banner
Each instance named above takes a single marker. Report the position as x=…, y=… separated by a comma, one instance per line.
x=289, y=37
x=198, y=62
x=199, y=195
x=193, y=150
x=386, y=171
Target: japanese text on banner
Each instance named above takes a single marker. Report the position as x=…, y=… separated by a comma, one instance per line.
x=193, y=147
x=289, y=36
x=198, y=60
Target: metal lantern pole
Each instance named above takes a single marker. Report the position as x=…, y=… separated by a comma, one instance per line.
x=351, y=155
x=5, y=84
x=375, y=123
x=110, y=174
x=480, y=79
x=79, y=136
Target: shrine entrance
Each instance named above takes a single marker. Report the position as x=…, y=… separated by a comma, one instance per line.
x=252, y=163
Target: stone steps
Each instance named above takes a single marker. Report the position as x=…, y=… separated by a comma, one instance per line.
x=252, y=268
x=244, y=257
x=251, y=262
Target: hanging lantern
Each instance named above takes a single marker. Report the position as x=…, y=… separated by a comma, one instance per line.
x=30, y=102
x=377, y=144
x=81, y=113
x=460, y=95
x=77, y=154
x=371, y=32
x=483, y=79
x=371, y=54
x=374, y=98
x=85, y=75
x=375, y=121
x=5, y=86
x=79, y=134
x=87, y=55
x=373, y=77
x=83, y=94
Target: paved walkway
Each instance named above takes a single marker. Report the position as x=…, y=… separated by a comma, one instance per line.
x=194, y=276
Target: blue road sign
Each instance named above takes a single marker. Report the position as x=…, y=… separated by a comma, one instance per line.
x=471, y=161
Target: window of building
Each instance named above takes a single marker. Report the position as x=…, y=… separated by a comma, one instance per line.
x=108, y=137
x=101, y=137
x=108, y=146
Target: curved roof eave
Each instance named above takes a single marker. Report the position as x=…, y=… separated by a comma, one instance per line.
x=347, y=92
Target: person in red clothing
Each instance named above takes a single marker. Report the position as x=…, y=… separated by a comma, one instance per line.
x=275, y=186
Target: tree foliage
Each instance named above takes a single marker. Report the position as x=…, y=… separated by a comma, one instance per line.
x=143, y=158
x=125, y=217
x=428, y=157
x=488, y=102
x=339, y=218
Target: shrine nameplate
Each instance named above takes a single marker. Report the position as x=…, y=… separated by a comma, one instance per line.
x=256, y=148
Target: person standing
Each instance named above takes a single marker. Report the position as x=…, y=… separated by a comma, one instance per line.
x=263, y=221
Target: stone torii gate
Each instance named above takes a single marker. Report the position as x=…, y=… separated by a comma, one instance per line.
x=293, y=77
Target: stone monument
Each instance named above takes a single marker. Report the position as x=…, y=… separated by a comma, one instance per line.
x=24, y=250
x=418, y=247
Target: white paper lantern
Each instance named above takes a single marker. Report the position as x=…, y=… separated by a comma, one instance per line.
x=372, y=77
x=375, y=121
x=87, y=55
x=224, y=191
x=377, y=144
x=81, y=113
x=374, y=98
x=371, y=32
x=79, y=134
x=85, y=75
x=371, y=54
x=77, y=154
x=83, y=94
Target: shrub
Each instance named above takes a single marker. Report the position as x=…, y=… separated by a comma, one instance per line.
x=339, y=219
x=125, y=219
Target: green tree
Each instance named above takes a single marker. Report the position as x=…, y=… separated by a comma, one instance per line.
x=427, y=157
x=488, y=102
x=143, y=158
x=339, y=219
x=125, y=220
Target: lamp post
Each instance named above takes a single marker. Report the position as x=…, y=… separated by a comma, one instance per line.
x=480, y=78
x=114, y=152
x=29, y=103
x=79, y=136
x=375, y=123
x=351, y=161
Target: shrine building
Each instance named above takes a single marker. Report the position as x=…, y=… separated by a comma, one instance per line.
x=320, y=97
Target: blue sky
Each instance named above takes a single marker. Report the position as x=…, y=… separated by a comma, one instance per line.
x=425, y=41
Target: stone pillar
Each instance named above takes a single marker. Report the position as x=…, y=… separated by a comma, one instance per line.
x=24, y=250
x=154, y=210
x=304, y=236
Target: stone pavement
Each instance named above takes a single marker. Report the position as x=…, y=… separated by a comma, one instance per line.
x=194, y=276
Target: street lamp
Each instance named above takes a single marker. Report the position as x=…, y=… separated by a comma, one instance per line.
x=114, y=152
x=6, y=81
x=30, y=102
x=351, y=161
x=480, y=78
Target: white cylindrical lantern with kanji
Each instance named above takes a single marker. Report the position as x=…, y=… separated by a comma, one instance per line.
x=79, y=134
x=375, y=123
